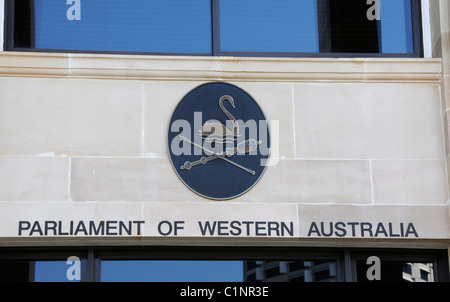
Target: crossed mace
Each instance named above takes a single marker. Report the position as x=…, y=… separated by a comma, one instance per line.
x=248, y=146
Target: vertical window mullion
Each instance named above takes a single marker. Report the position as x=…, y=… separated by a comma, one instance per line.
x=215, y=15
x=416, y=16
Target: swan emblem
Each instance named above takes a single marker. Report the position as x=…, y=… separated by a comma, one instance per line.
x=214, y=130
x=218, y=141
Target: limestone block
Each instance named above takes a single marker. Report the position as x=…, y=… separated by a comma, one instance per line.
x=314, y=181
x=69, y=116
x=34, y=179
x=409, y=182
x=363, y=121
x=127, y=179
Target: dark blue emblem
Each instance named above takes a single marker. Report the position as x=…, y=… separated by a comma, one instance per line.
x=218, y=141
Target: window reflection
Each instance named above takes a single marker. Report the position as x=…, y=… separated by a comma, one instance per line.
x=135, y=26
x=55, y=271
x=291, y=271
x=171, y=271
x=398, y=271
x=396, y=27
x=268, y=26
x=418, y=272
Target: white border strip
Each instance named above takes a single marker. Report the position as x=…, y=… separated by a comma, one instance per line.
x=2, y=23
x=426, y=30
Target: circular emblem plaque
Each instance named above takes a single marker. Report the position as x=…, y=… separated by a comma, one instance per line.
x=218, y=141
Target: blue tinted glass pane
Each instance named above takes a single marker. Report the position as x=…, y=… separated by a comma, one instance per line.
x=268, y=26
x=161, y=26
x=396, y=26
x=52, y=271
x=172, y=271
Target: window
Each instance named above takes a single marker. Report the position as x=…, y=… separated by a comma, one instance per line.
x=291, y=271
x=396, y=266
x=399, y=271
x=348, y=29
x=217, y=27
x=222, y=264
x=52, y=271
x=170, y=271
x=158, y=26
x=268, y=26
x=43, y=265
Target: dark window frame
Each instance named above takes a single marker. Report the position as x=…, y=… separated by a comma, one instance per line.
x=438, y=258
x=215, y=15
x=346, y=258
x=416, y=20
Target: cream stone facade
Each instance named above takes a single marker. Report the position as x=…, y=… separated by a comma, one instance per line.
x=363, y=150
